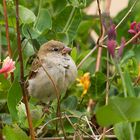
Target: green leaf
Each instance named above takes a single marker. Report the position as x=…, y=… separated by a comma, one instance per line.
x=137, y=130
x=14, y=96
x=4, y=87
x=26, y=15
x=4, y=84
x=70, y=103
x=29, y=32
x=36, y=116
x=98, y=82
x=68, y=21
x=58, y=6
x=119, y=110
x=68, y=127
x=28, y=49
x=127, y=55
x=63, y=37
x=43, y=21
x=74, y=53
x=123, y=131
x=137, y=50
x=14, y=133
x=130, y=89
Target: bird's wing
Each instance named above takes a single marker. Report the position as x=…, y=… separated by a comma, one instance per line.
x=36, y=64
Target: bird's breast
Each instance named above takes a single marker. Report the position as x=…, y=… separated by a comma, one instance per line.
x=62, y=71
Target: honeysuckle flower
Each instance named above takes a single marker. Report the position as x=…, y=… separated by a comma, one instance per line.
x=134, y=29
x=8, y=66
x=84, y=82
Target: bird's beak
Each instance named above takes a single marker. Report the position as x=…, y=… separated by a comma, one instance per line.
x=66, y=50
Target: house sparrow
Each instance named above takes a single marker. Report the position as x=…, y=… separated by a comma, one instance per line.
x=54, y=58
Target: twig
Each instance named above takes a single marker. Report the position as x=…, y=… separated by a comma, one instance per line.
x=7, y=35
x=130, y=40
x=107, y=82
x=86, y=57
x=107, y=5
x=57, y=118
x=7, y=28
x=94, y=48
x=58, y=112
x=126, y=15
x=107, y=91
x=133, y=38
x=85, y=137
x=101, y=26
x=90, y=128
x=58, y=98
x=53, y=83
x=98, y=61
x=76, y=130
x=106, y=131
x=22, y=82
x=90, y=136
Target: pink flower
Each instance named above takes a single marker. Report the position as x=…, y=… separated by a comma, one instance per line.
x=111, y=42
x=134, y=29
x=111, y=45
x=112, y=32
x=7, y=67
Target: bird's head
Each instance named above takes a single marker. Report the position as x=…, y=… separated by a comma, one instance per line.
x=54, y=47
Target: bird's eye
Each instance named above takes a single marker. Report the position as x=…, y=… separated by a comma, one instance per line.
x=55, y=49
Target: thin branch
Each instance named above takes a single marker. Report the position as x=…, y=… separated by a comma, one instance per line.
x=130, y=40
x=107, y=82
x=76, y=130
x=103, y=135
x=22, y=82
x=58, y=112
x=58, y=98
x=7, y=35
x=98, y=61
x=101, y=26
x=86, y=57
x=90, y=136
x=126, y=15
x=63, y=117
x=108, y=3
x=7, y=28
x=85, y=137
x=93, y=134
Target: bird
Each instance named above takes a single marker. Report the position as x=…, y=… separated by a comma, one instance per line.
x=52, y=66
